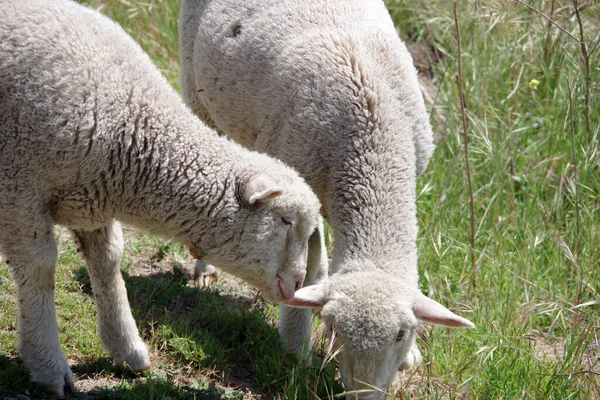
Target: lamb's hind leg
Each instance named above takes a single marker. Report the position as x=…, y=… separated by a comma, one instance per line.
x=295, y=323
x=30, y=249
x=102, y=250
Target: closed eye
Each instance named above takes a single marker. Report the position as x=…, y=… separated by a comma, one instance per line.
x=287, y=220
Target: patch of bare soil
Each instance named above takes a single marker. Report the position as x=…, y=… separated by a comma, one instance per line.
x=233, y=290
x=88, y=384
x=546, y=348
x=413, y=383
x=145, y=263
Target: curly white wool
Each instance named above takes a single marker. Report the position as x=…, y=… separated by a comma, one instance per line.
x=330, y=89
x=90, y=133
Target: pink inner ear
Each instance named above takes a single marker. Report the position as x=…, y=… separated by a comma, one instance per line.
x=429, y=310
x=451, y=323
x=271, y=195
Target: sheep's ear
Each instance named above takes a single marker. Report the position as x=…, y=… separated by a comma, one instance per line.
x=310, y=297
x=260, y=188
x=431, y=311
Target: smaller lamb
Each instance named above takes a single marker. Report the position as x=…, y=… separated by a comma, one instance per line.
x=91, y=132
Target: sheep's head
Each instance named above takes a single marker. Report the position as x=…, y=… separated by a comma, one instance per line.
x=372, y=320
x=261, y=235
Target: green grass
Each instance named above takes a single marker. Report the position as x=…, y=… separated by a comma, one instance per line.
x=535, y=289
x=534, y=263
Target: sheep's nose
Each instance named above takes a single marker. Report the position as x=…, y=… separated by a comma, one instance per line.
x=289, y=283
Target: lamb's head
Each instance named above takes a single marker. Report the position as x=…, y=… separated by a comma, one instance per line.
x=261, y=234
x=372, y=318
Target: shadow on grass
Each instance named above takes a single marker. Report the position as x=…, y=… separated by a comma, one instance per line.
x=14, y=378
x=198, y=334
x=224, y=336
x=15, y=382
x=152, y=387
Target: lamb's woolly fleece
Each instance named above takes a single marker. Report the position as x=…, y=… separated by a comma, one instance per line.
x=329, y=88
x=90, y=132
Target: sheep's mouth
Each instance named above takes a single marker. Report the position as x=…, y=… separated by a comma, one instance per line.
x=281, y=292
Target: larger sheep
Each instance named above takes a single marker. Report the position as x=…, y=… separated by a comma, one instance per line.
x=91, y=132
x=329, y=88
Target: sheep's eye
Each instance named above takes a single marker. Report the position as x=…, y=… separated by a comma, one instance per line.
x=400, y=336
x=287, y=220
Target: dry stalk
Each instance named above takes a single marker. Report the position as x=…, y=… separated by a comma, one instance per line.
x=586, y=59
x=578, y=222
x=549, y=20
x=546, y=50
x=463, y=108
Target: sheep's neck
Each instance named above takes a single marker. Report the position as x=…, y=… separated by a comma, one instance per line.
x=168, y=173
x=371, y=196
x=374, y=218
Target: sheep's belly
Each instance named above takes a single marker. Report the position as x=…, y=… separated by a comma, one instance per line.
x=77, y=212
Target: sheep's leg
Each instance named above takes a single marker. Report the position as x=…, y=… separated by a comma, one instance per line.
x=102, y=250
x=295, y=323
x=204, y=271
x=30, y=249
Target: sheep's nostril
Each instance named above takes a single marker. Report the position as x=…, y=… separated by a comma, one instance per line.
x=299, y=280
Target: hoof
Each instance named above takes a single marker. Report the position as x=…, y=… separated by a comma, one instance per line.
x=145, y=368
x=137, y=359
x=61, y=388
x=205, y=272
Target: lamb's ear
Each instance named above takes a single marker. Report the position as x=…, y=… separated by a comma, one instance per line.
x=431, y=311
x=310, y=297
x=260, y=188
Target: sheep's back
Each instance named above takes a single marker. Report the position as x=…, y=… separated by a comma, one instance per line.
x=70, y=82
x=298, y=80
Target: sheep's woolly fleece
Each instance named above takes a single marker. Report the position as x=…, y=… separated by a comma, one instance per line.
x=90, y=132
x=330, y=89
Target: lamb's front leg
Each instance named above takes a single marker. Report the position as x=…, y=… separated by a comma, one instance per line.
x=295, y=323
x=30, y=251
x=102, y=250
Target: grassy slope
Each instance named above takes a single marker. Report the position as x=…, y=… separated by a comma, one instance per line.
x=535, y=264
x=533, y=290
